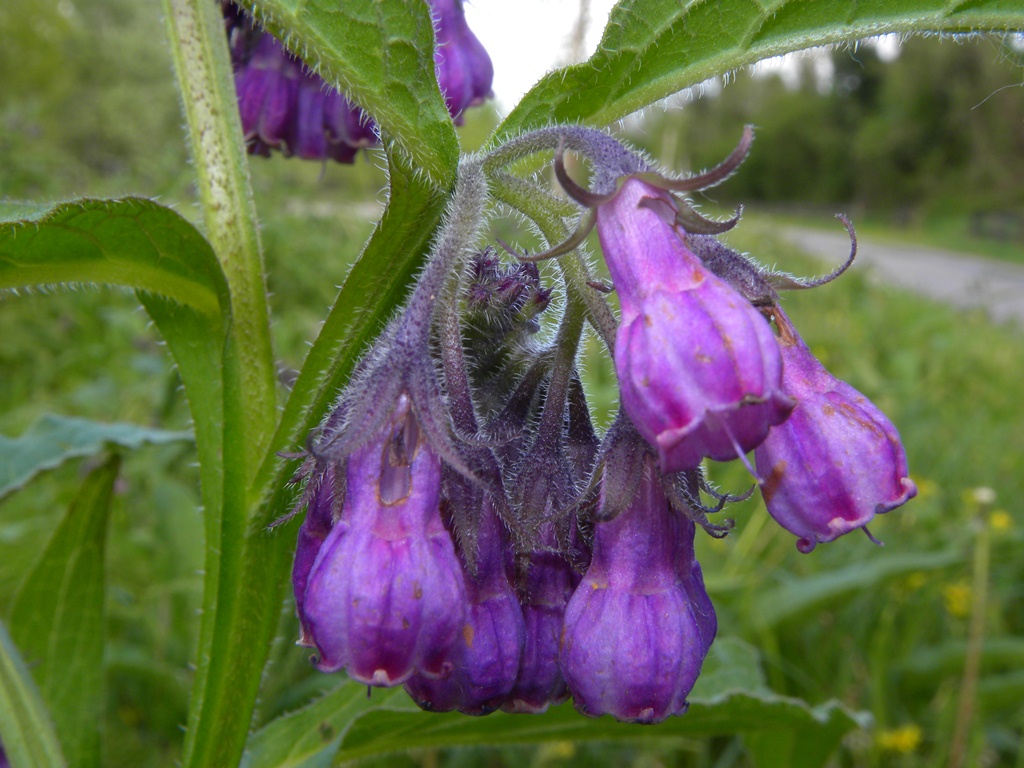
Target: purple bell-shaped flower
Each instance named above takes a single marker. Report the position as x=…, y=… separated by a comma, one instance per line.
x=485, y=659
x=837, y=462
x=464, y=70
x=638, y=627
x=285, y=106
x=549, y=583
x=699, y=370
x=385, y=597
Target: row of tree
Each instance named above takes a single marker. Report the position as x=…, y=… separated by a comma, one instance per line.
x=939, y=128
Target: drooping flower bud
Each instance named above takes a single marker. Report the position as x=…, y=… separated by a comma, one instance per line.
x=320, y=501
x=464, y=70
x=699, y=370
x=549, y=582
x=385, y=597
x=639, y=625
x=485, y=659
x=837, y=462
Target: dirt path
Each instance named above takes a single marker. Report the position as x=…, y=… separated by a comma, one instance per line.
x=963, y=281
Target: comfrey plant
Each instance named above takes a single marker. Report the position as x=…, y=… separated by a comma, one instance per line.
x=468, y=535
x=485, y=548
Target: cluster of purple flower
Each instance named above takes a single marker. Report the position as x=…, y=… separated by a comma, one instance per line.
x=287, y=107
x=469, y=536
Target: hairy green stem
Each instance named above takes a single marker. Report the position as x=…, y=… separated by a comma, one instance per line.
x=199, y=46
x=241, y=591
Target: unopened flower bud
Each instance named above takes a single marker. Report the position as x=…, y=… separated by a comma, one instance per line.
x=837, y=462
x=549, y=583
x=485, y=659
x=633, y=643
x=699, y=369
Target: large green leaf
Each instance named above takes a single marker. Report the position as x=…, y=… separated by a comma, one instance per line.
x=139, y=244
x=132, y=243
x=381, y=56
x=52, y=440
x=57, y=618
x=654, y=48
x=26, y=731
x=730, y=698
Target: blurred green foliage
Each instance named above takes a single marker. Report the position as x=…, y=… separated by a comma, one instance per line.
x=936, y=133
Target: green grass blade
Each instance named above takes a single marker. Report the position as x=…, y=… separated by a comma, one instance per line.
x=654, y=48
x=804, y=596
x=26, y=730
x=58, y=618
x=381, y=56
x=53, y=439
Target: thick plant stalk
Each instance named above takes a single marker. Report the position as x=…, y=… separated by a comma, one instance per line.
x=243, y=573
x=201, y=58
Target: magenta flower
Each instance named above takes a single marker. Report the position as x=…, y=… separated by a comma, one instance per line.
x=385, y=596
x=640, y=623
x=837, y=462
x=699, y=369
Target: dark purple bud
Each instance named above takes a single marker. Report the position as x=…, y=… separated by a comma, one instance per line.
x=385, y=597
x=639, y=625
x=485, y=659
x=837, y=462
x=699, y=369
x=549, y=582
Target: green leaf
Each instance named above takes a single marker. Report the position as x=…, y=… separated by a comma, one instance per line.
x=133, y=243
x=730, y=698
x=652, y=49
x=380, y=55
x=802, y=596
x=26, y=731
x=58, y=619
x=52, y=440
x=139, y=244
x=929, y=663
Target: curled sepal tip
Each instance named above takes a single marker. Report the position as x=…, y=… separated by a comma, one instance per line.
x=709, y=178
x=784, y=282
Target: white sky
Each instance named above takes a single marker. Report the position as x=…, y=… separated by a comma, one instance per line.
x=528, y=38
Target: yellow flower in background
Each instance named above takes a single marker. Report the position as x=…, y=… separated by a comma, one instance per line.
x=1000, y=521
x=925, y=487
x=958, y=598
x=904, y=739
